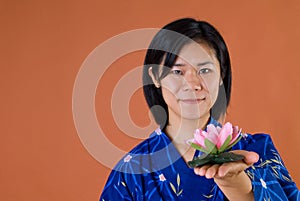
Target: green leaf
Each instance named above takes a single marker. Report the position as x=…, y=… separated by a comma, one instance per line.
x=200, y=161
x=198, y=147
x=215, y=159
x=236, y=141
x=210, y=146
x=225, y=144
x=227, y=157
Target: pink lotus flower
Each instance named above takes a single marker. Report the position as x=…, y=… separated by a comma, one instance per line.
x=216, y=140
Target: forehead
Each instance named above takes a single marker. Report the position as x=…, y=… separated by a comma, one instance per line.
x=195, y=52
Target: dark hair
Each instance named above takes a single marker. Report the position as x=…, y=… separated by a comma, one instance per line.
x=165, y=47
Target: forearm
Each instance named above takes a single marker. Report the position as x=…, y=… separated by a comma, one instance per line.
x=237, y=187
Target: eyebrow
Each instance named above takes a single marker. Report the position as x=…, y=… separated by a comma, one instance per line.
x=205, y=63
x=199, y=64
x=178, y=64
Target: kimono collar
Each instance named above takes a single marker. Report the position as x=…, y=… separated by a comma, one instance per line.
x=211, y=121
x=214, y=122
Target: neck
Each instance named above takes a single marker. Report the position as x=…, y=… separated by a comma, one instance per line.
x=180, y=130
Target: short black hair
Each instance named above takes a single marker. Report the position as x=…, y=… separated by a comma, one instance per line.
x=165, y=47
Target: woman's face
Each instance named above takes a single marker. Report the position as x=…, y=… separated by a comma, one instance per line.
x=191, y=88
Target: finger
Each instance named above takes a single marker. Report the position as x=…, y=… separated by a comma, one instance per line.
x=232, y=168
x=250, y=156
x=201, y=170
x=212, y=171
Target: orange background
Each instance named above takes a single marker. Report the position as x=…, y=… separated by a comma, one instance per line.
x=43, y=44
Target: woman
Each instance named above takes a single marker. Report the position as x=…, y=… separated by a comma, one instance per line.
x=187, y=85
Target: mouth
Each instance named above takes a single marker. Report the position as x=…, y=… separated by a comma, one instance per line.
x=192, y=101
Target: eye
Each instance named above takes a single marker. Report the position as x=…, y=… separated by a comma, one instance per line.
x=204, y=71
x=177, y=72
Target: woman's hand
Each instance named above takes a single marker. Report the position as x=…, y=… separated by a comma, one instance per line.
x=230, y=177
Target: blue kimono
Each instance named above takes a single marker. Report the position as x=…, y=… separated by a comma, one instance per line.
x=154, y=170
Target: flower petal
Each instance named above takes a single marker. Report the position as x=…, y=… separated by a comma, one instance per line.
x=224, y=133
x=212, y=134
x=236, y=133
x=235, y=130
x=199, y=137
x=225, y=145
x=190, y=141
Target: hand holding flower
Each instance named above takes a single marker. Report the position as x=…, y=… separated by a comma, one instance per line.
x=214, y=142
x=226, y=170
x=231, y=177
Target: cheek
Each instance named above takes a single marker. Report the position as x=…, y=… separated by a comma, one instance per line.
x=213, y=88
x=171, y=85
x=170, y=88
x=168, y=96
x=214, y=93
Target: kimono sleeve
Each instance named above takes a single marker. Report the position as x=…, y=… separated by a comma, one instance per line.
x=270, y=178
x=116, y=188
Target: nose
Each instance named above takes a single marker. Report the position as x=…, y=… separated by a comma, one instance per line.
x=193, y=81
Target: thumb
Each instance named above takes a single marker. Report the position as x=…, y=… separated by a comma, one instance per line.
x=250, y=156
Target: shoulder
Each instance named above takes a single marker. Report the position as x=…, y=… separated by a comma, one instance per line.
x=257, y=137
x=139, y=159
x=156, y=141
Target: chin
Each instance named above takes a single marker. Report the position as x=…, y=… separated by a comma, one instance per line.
x=192, y=116
x=196, y=115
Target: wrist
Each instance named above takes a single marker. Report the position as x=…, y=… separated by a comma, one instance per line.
x=236, y=187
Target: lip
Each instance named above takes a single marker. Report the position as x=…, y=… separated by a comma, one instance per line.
x=192, y=101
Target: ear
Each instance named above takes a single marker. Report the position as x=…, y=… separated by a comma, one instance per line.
x=154, y=80
x=221, y=82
